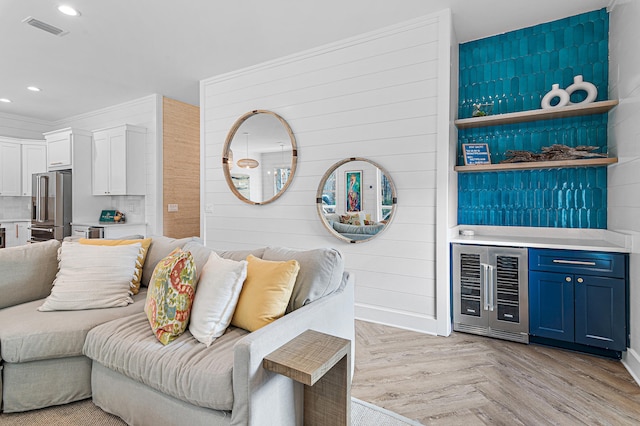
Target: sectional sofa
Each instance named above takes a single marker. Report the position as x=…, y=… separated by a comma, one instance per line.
x=113, y=356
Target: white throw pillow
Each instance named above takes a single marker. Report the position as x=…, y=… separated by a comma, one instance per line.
x=216, y=297
x=92, y=277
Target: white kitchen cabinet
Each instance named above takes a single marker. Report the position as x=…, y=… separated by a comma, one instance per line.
x=10, y=177
x=66, y=147
x=34, y=160
x=16, y=233
x=70, y=149
x=60, y=146
x=22, y=232
x=119, y=161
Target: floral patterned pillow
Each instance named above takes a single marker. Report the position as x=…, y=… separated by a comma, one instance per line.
x=170, y=295
x=355, y=218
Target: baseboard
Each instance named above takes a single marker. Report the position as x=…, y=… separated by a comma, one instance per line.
x=399, y=319
x=631, y=361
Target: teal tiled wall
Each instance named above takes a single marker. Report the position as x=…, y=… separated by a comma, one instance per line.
x=514, y=71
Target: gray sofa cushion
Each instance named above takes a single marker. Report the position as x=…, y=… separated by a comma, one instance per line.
x=320, y=272
x=160, y=247
x=201, y=254
x=27, y=334
x=344, y=228
x=185, y=369
x=241, y=254
x=28, y=272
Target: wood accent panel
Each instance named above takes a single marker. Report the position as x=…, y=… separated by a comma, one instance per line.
x=181, y=168
x=466, y=379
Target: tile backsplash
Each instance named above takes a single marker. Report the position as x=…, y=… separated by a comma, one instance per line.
x=15, y=208
x=559, y=198
x=132, y=206
x=19, y=208
x=513, y=71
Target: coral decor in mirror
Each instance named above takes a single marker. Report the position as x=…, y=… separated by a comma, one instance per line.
x=259, y=157
x=356, y=200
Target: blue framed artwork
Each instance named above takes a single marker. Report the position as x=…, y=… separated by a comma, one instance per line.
x=353, y=181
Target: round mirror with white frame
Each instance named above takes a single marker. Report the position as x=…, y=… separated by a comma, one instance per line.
x=259, y=157
x=356, y=200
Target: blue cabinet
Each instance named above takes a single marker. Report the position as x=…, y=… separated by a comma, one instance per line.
x=600, y=312
x=551, y=306
x=579, y=297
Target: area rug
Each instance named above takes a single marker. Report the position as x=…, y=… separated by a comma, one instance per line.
x=86, y=414
x=366, y=414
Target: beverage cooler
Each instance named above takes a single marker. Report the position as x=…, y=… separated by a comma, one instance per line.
x=490, y=291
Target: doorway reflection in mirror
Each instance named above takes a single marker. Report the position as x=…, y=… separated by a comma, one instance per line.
x=269, y=155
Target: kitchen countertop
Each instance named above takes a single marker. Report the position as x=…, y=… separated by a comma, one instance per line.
x=106, y=224
x=567, y=239
x=14, y=220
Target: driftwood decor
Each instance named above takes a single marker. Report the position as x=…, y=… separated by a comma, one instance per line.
x=554, y=152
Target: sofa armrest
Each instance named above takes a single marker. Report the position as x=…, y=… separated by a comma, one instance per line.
x=262, y=397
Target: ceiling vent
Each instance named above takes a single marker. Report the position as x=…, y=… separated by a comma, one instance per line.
x=44, y=26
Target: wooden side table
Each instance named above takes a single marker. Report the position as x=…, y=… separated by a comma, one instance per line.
x=322, y=363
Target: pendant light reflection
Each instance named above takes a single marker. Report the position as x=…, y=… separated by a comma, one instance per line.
x=247, y=163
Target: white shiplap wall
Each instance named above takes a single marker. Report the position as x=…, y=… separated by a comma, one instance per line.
x=624, y=179
x=145, y=112
x=374, y=96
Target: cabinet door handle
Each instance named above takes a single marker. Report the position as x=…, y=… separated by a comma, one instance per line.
x=55, y=163
x=580, y=280
x=42, y=229
x=574, y=262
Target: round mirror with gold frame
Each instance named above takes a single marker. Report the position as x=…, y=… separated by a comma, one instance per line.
x=356, y=200
x=259, y=157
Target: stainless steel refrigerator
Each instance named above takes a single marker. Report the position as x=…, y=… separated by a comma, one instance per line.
x=51, y=206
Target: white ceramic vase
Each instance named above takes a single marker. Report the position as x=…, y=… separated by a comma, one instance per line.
x=555, y=92
x=580, y=84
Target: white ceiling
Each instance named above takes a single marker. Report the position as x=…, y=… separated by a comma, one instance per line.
x=119, y=50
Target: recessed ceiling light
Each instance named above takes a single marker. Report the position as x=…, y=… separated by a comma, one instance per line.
x=68, y=10
x=5, y=100
x=34, y=88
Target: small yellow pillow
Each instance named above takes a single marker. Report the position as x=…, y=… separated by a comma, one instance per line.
x=143, y=254
x=265, y=293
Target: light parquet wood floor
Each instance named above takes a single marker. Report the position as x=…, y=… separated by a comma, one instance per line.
x=473, y=380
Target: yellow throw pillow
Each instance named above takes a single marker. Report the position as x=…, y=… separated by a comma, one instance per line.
x=265, y=293
x=143, y=254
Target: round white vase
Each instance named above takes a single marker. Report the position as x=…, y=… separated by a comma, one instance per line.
x=580, y=84
x=555, y=92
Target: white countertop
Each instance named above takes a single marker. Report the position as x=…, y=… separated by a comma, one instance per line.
x=14, y=220
x=568, y=239
x=106, y=224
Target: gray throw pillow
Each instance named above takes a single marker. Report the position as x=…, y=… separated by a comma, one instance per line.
x=160, y=247
x=28, y=272
x=320, y=272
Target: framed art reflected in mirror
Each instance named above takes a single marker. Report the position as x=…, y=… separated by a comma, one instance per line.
x=356, y=200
